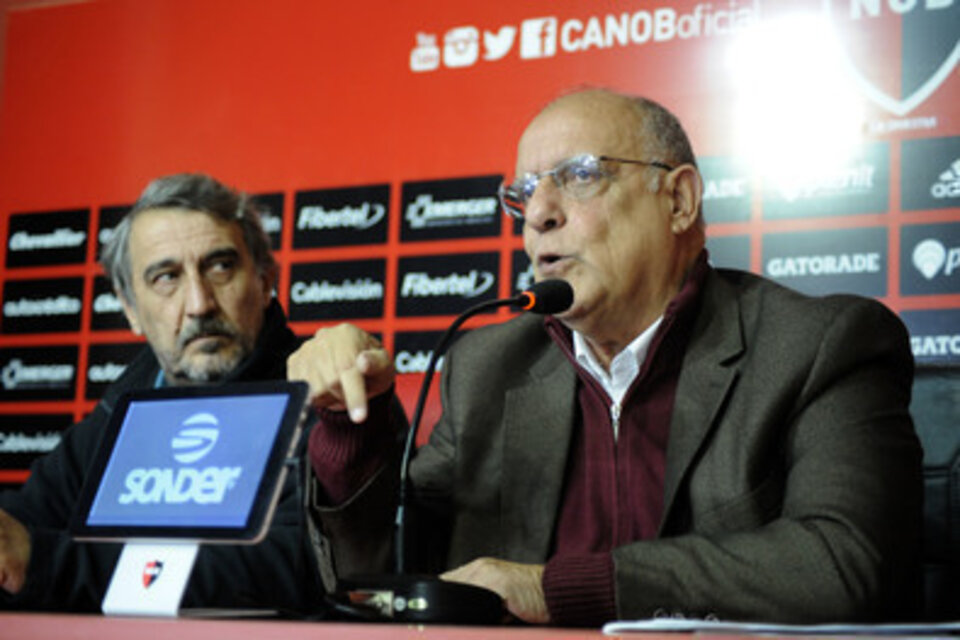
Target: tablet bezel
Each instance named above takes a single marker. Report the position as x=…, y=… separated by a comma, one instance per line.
x=268, y=490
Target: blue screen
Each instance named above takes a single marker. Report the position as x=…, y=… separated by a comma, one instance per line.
x=188, y=462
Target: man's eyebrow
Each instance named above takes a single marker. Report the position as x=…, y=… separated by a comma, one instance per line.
x=219, y=254
x=161, y=265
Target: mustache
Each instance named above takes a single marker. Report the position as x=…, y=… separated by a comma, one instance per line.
x=205, y=327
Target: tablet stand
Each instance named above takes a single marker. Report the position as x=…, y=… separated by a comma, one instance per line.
x=150, y=578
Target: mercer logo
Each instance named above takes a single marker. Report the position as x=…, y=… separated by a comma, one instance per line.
x=194, y=442
x=151, y=571
x=930, y=257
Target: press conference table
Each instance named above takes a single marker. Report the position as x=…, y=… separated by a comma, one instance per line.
x=35, y=626
x=55, y=626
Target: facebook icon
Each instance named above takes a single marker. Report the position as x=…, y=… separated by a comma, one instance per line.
x=538, y=38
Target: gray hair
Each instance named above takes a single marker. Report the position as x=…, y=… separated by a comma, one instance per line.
x=193, y=192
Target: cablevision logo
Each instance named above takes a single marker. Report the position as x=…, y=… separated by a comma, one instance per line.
x=191, y=443
x=546, y=36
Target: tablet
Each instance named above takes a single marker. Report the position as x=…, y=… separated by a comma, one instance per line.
x=191, y=463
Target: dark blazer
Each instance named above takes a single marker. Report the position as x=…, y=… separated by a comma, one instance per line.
x=793, y=477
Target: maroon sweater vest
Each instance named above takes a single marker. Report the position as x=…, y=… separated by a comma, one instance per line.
x=613, y=492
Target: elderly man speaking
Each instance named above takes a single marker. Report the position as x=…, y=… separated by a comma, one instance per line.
x=683, y=441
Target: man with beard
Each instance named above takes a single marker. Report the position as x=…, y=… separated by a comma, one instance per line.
x=192, y=268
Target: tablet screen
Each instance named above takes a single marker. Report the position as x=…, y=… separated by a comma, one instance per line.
x=196, y=463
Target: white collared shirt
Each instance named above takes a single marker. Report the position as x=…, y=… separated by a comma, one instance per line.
x=624, y=368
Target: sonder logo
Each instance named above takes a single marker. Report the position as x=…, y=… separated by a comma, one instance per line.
x=948, y=183
x=186, y=484
x=192, y=443
x=930, y=256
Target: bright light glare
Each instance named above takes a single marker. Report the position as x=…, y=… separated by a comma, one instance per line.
x=798, y=117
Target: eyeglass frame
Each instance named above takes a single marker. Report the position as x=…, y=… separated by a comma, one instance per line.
x=517, y=214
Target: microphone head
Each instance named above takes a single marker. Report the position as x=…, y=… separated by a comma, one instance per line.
x=547, y=296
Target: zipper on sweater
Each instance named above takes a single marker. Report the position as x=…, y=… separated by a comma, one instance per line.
x=615, y=420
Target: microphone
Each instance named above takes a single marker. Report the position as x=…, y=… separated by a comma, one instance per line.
x=406, y=598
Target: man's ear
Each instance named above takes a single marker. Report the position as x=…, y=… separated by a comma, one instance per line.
x=686, y=185
x=130, y=311
x=269, y=280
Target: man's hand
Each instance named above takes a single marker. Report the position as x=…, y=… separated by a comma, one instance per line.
x=344, y=367
x=520, y=585
x=14, y=553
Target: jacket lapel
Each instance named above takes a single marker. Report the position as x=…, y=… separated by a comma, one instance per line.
x=537, y=433
x=708, y=375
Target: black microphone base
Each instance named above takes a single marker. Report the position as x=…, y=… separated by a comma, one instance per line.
x=414, y=598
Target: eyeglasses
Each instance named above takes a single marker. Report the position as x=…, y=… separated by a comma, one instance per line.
x=579, y=177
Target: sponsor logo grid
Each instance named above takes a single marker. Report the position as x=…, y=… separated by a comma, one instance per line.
x=401, y=257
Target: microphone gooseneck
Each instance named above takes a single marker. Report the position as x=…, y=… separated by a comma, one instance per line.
x=403, y=597
x=545, y=297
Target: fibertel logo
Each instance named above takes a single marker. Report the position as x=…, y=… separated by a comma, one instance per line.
x=151, y=571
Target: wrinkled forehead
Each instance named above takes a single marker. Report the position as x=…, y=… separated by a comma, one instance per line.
x=601, y=124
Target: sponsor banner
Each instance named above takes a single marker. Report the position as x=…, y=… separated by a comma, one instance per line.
x=934, y=336
x=106, y=313
x=920, y=40
x=24, y=437
x=859, y=185
x=335, y=217
x=337, y=290
x=38, y=373
x=727, y=190
x=823, y=262
x=729, y=252
x=270, y=206
x=454, y=208
x=446, y=284
x=521, y=271
x=930, y=259
x=39, y=239
x=547, y=36
x=930, y=174
x=107, y=222
x=106, y=362
x=42, y=306
x=413, y=350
